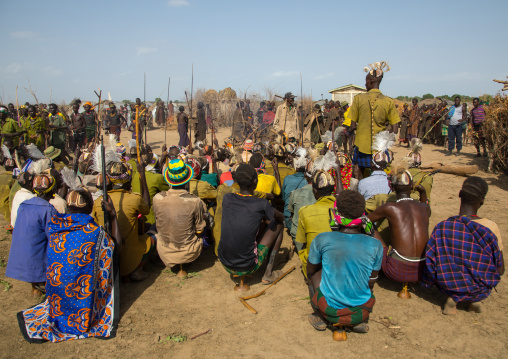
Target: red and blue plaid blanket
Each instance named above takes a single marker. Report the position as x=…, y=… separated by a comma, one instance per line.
x=462, y=260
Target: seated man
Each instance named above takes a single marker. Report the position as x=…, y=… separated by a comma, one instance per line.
x=154, y=179
x=419, y=177
x=266, y=183
x=377, y=182
x=464, y=257
x=244, y=243
x=27, y=257
x=201, y=189
x=179, y=216
x=294, y=182
x=315, y=219
x=80, y=285
x=300, y=197
x=343, y=266
x=221, y=192
x=25, y=193
x=404, y=260
x=137, y=247
x=283, y=170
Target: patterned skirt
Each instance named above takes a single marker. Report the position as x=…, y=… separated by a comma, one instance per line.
x=346, y=316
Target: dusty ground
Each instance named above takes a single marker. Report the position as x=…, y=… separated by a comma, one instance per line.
x=164, y=305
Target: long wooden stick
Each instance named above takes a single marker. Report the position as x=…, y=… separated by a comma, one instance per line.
x=17, y=107
x=137, y=134
x=166, y=120
x=144, y=103
x=99, y=95
x=244, y=299
x=190, y=109
x=301, y=120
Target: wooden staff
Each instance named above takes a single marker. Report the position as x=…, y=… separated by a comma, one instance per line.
x=244, y=299
x=98, y=130
x=166, y=121
x=137, y=134
x=301, y=99
x=190, y=108
x=17, y=107
x=144, y=103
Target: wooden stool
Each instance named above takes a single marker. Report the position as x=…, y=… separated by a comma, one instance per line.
x=404, y=293
x=242, y=287
x=340, y=334
x=181, y=273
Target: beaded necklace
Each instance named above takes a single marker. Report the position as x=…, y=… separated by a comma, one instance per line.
x=244, y=195
x=404, y=199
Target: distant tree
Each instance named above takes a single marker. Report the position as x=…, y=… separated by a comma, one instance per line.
x=157, y=99
x=427, y=96
x=457, y=95
x=126, y=101
x=176, y=101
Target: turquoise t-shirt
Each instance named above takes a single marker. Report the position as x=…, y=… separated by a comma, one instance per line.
x=348, y=261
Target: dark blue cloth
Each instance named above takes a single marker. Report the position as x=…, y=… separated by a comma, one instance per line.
x=183, y=129
x=462, y=260
x=363, y=160
x=28, y=255
x=455, y=136
x=291, y=183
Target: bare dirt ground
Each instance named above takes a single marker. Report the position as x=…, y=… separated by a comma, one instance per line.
x=162, y=309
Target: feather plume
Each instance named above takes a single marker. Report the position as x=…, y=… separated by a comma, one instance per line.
x=199, y=145
x=337, y=133
x=300, y=159
x=326, y=137
x=372, y=67
x=383, y=141
x=40, y=166
x=301, y=152
x=366, y=69
x=131, y=143
x=387, y=67
x=6, y=152
x=313, y=154
x=34, y=152
x=69, y=177
x=113, y=140
x=382, y=65
x=109, y=154
x=325, y=162
x=416, y=145
x=377, y=65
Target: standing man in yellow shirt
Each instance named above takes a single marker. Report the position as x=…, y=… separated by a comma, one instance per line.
x=370, y=113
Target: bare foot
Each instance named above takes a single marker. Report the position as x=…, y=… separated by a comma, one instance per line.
x=139, y=275
x=317, y=322
x=475, y=307
x=272, y=278
x=450, y=307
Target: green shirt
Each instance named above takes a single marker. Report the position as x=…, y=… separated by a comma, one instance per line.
x=31, y=135
x=57, y=136
x=372, y=111
x=312, y=220
x=11, y=126
x=297, y=199
x=155, y=183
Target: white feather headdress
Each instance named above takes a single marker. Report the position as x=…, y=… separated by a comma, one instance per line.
x=300, y=159
x=377, y=69
x=325, y=162
x=34, y=152
x=70, y=178
x=383, y=141
x=6, y=152
x=40, y=166
x=109, y=154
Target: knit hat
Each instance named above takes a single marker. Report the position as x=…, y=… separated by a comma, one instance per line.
x=177, y=173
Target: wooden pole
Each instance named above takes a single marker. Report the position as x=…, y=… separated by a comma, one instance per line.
x=166, y=120
x=144, y=103
x=99, y=95
x=137, y=134
x=300, y=125
x=190, y=109
x=17, y=107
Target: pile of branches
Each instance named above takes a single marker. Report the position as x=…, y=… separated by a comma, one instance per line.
x=495, y=131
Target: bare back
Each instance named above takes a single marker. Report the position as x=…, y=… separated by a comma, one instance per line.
x=409, y=224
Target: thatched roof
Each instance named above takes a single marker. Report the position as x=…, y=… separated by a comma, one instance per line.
x=227, y=94
x=210, y=96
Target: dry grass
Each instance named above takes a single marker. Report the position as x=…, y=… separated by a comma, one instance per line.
x=495, y=131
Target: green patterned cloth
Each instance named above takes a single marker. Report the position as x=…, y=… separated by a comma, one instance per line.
x=262, y=252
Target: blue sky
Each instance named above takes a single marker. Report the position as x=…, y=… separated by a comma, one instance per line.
x=68, y=48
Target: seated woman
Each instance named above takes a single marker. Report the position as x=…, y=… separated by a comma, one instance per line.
x=80, y=286
x=343, y=266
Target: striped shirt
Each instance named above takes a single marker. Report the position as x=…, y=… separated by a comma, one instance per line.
x=478, y=115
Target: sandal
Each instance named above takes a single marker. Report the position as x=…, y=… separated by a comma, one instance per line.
x=316, y=321
x=275, y=274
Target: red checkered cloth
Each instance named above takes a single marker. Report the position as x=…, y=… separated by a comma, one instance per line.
x=401, y=270
x=346, y=316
